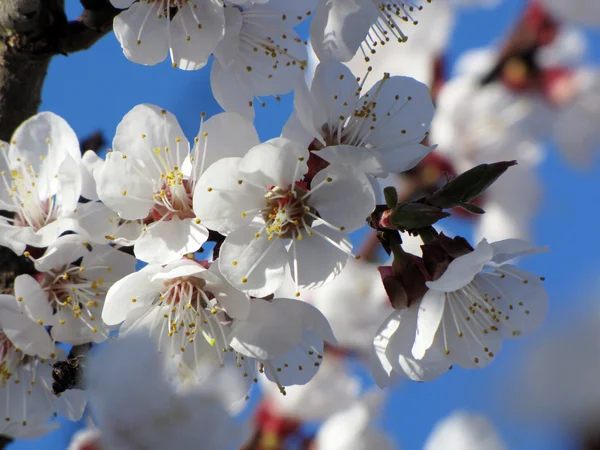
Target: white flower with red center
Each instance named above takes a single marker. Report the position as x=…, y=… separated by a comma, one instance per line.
x=376, y=132
x=150, y=176
x=40, y=182
x=273, y=219
x=185, y=307
x=26, y=397
x=187, y=30
x=477, y=302
x=341, y=27
x=135, y=405
x=260, y=54
x=285, y=337
x=69, y=294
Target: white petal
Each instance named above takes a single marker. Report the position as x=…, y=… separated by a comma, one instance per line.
x=362, y=159
x=339, y=26
x=295, y=131
x=333, y=90
x=461, y=271
x=297, y=365
x=32, y=300
x=268, y=331
x=63, y=251
x=142, y=33
x=380, y=365
x=275, y=162
x=169, y=240
x=224, y=135
x=513, y=248
x=130, y=196
x=310, y=317
x=235, y=303
x=41, y=238
x=431, y=310
x=25, y=334
x=401, y=159
x=69, y=185
x=410, y=109
x=229, y=91
x=90, y=161
x=48, y=135
x=135, y=286
x=228, y=48
x=260, y=262
x=307, y=113
x=147, y=128
x=319, y=261
x=196, y=30
x=346, y=201
x=219, y=198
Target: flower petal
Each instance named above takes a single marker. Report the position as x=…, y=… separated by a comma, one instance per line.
x=461, y=271
x=508, y=249
x=169, y=240
x=255, y=266
x=431, y=310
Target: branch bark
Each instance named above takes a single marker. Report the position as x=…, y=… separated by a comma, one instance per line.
x=32, y=32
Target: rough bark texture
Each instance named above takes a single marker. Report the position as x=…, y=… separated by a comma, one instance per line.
x=32, y=32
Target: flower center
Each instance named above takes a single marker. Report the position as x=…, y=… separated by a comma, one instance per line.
x=286, y=214
x=190, y=311
x=22, y=187
x=70, y=291
x=174, y=199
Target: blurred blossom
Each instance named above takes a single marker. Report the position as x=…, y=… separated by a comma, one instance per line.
x=352, y=429
x=136, y=407
x=577, y=12
x=559, y=380
x=464, y=431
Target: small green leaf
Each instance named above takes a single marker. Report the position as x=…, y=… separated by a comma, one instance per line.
x=411, y=216
x=391, y=197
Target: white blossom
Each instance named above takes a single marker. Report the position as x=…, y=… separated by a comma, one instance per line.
x=477, y=302
x=150, y=176
x=26, y=395
x=376, y=132
x=341, y=27
x=40, y=182
x=260, y=54
x=183, y=306
x=464, y=431
x=68, y=296
x=352, y=429
x=136, y=407
x=187, y=30
x=273, y=220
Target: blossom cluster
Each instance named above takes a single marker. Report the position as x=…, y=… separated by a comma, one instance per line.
x=246, y=263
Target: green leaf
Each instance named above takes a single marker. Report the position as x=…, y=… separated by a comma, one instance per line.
x=411, y=216
x=469, y=185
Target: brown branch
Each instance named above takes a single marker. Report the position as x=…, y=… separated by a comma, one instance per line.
x=32, y=32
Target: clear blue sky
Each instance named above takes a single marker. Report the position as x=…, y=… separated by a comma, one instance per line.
x=94, y=89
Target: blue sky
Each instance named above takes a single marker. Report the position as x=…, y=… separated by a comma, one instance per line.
x=94, y=89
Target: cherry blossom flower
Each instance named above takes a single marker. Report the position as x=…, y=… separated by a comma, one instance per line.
x=285, y=337
x=150, y=144
x=477, y=302
x=185, y=307
x=187, y=30
x=341, y=27
x=464, y=431
x=68, y=296
x=377, y=132
x=40, y=182
x=260, y=54
x=128, y=417
x=274, y=220
x=26, y=376
x=352, y=429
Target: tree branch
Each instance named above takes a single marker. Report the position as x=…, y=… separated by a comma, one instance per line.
x=31, y=33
